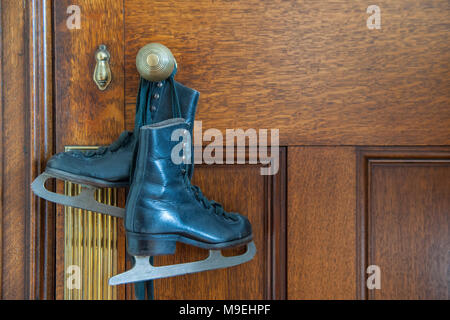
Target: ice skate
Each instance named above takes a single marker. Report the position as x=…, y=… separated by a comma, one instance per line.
x=163, y=208
x=160, y=97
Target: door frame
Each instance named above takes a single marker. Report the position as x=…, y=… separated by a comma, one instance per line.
x=27, y=223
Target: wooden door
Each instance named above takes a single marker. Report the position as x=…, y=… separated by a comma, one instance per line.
x=363, y=117
x=335, y=89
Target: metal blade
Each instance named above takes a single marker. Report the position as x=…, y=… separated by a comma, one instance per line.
x=143, y=270
x=85, y=200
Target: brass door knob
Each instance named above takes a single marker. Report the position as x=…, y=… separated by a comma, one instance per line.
x=102, y=73
x=155, y=62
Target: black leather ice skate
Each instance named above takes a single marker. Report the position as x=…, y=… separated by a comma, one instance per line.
x=164, y=208
x=110, y=166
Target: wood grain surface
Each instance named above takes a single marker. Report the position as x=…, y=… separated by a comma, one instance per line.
x=26, y=223
x=404, y=213
x=409, y=236
x=310, y=68
x=84, y=115
x=321, y=223
x=14, y=162
x=41, y=213
x=1, y=148
x=240, y=188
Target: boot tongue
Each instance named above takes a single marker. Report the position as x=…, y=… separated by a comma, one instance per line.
x=143, y=101
x=141, y=105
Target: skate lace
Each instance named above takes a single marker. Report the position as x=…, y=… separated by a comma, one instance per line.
x=123, y=139
x=209, y=204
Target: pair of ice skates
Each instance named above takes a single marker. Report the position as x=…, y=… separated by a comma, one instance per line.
x=163, y=207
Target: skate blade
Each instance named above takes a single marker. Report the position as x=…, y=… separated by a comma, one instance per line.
x=144, y=271
x=85, y=200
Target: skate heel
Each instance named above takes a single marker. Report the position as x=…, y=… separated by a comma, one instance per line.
x=139, y=244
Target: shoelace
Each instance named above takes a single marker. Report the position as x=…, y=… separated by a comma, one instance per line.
x=123, y=139
x=207, y=204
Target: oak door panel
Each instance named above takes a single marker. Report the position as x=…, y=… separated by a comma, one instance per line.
x=407, y=224
x=321, y=223
x=240, y=188
x=310, y=68
x=15, y=250
x=84, y=115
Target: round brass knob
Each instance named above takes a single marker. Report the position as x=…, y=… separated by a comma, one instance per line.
x=155, y=62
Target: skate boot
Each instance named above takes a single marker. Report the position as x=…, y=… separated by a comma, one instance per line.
x=110, y=166
x=164, y=208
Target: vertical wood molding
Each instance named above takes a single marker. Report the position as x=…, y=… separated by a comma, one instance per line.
x=41, y=219
x=26, y=128
x=276, y=233
x=361, y=227
x=366, y=158
x=14, y=109
x=2, y=154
